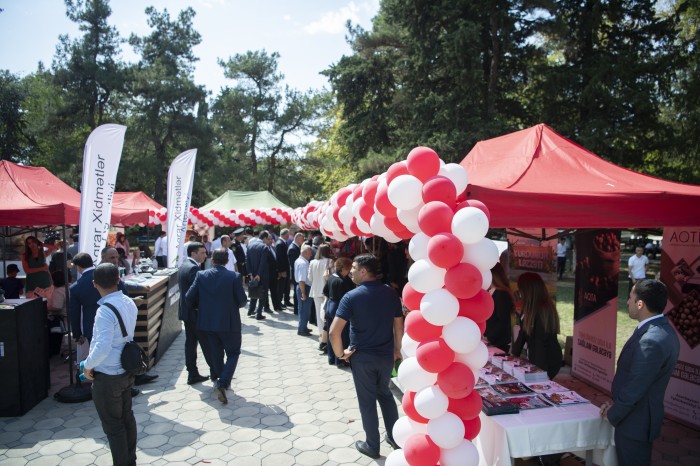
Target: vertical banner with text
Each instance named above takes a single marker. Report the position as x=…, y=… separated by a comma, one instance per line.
x=180, y=181
x=103, y=151
x=680, y=271
x=595, y=306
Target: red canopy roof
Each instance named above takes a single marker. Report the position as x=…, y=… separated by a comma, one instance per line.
x=132, y=208
x=537, y=178
x=33, y=196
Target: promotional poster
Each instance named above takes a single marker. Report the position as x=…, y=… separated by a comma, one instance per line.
x=595, y=306
x=527, y=254
x=680, y=271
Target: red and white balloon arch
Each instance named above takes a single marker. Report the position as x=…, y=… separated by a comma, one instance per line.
x=421, y=199
x=227, y=218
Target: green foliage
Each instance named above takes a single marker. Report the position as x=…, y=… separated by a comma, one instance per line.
x=14, y=139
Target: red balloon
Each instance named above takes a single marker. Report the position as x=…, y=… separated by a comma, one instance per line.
x=466, y=408
x=396, y=169
x=435, y=217
x=366, y=210
x=407, y=403
x=343, y=194
x=353, y=228
x=474, y=203
x=370, y=190
x=435, y=355
x=405, y=234
x=445, y=250
x=471, y=428
x=423, y=163
x=357, y=192
x=478, y=308
x=381, y=201
x=394, y=224
x=420, y=329
x=482, y=326
x=464, y=280
x=411, y=298
x=419, y=450
x=439, y=188
x=457, y=381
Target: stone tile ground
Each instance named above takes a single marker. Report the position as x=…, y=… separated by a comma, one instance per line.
x=287, y=407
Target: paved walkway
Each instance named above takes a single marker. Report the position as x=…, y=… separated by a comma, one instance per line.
x=288, y=407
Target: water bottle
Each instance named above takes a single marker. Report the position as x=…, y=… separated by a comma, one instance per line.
x=82, y=375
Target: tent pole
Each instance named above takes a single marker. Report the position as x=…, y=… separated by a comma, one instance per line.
x=65, y=301
x=4, y=253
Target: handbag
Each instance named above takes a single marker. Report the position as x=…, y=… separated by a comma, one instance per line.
x=254, y=288
x=134, y=359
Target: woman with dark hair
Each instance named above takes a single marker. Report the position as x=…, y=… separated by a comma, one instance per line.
x=335, y=288
x=540, y=325
x=34, y=265
x=498, y=326
x=122, y=242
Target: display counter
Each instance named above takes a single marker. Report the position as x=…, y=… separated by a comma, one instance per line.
x=157, y=324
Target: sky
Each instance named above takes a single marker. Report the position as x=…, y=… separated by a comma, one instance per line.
x=309, y=35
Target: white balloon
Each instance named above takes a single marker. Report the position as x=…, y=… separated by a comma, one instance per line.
x=412, y=377
x=392, y=238
x=462, y=335
x=475, y=359
x=464, y=454
x=483, y=254
x=396, y=458
x=470, y=225
x=424, y=276
x=376, y=223
x=405, y=192
x=457, y=174
x=439, y=307
x=486, y=279
x=431, y=402
x=363, y=226
x=447, y=431
x=410, y=217
x=418, y=246
x=409, y=345
x=345, y=215
x=405, y=427
x=356, y=209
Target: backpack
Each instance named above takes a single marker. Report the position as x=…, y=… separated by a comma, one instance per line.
x=134, y=359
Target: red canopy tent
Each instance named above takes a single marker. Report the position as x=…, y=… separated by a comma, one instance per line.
x=538, y=178
x=132, y=208
x=33, y=196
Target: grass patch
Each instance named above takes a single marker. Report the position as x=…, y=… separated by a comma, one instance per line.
x=565, y=307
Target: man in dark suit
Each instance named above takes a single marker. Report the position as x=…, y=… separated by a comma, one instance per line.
x=258, y=258
x=218, y=293
x=282, y=277
x=196, y=255
x=643, y=371
x=293, y=253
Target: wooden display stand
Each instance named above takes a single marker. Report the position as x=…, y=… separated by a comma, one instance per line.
x=24, y=359
x=157, y=324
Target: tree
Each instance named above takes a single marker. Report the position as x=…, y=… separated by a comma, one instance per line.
x=165, y=100
x=14, y=139
x=257, y=118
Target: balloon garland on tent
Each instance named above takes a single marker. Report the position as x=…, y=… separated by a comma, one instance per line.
x=417, y=199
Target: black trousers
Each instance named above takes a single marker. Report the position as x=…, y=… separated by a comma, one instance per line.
x=275, y=293
x=262, y=304
x=632, y=452
x=561, y=265
x=192, y=338
x=285, y=291
x=162, y=261
x=112, y=397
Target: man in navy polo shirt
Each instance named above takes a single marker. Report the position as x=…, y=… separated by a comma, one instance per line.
x=376, y=328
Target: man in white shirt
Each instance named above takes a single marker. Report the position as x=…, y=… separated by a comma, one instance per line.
x=226, y=243
x=561, y=257
x=161, y=250
x=637, y=267
x=301, y=277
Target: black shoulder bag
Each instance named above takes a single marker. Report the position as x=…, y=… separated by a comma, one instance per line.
x=134, y=359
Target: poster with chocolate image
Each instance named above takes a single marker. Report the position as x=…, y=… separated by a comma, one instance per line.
x=680, y=271
x=597, y=270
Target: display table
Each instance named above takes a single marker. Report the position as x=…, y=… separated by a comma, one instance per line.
x=157, y=324
x=575, y=428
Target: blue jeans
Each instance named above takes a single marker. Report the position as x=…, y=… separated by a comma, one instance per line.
x=371, y=374
x=220, y=343
x=304, y=311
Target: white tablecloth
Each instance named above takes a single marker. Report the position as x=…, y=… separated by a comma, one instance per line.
x=574, y=428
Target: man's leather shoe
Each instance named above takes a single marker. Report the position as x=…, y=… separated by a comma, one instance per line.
x=144, y=378
x=322, y=347
x=134, y=392
x=221, y=393
x=260, y=317
x=268, y=310
x=196, y=379
x=305, y=333
x=363, y=448
x=391, y=442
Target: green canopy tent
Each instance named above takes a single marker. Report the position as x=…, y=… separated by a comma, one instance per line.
x=245, y=200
